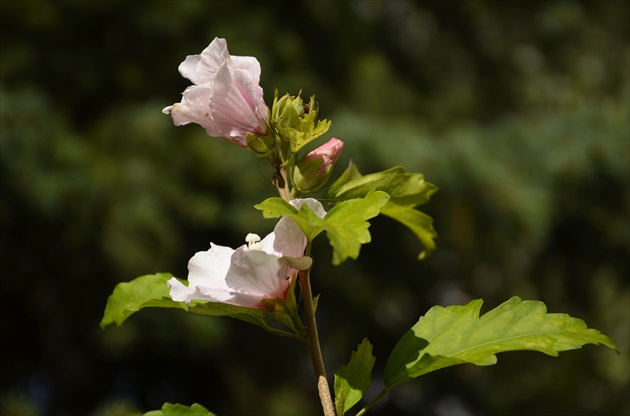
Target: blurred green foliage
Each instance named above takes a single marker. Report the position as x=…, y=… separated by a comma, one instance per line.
x=518, y=111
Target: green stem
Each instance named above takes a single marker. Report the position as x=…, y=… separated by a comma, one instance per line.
x=312, y=340
x=373, y=402
x=285, y=334
x=312, y=337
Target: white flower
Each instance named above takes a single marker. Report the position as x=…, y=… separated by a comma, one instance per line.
x=225, y=99
x=254, y=271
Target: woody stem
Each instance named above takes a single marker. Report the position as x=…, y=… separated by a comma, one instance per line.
x=281, y=182
x=312, y=339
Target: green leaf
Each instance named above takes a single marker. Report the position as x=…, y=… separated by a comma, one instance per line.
x=345, y=224
x=353, y=380
x=349, y=174
x=152, y=291
x=457, y=335
x=406, y=191
x=169, y=409
x=142, y=292
x=275, y=207
x=418, y=222
x=347, y=227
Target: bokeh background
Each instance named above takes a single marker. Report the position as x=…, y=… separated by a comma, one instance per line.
x=517, y=110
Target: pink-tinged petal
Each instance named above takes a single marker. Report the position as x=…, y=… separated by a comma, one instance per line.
x=261, y=269
x=234, y=109
x=255, y=274
x=202, y=68
x=189, y=69
x=252, y=93
x=194, y=108
x=229, y=102
x=247, y=64
x=328, y=153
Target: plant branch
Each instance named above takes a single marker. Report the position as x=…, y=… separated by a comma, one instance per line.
x=285, y=334
x=373, y=402
x=312, y=339
x=281, y=182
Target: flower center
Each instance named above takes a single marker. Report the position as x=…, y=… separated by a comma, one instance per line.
x=253, y=242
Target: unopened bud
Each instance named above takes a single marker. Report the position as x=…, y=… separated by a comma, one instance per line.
x=313, y=171
x=262, y=146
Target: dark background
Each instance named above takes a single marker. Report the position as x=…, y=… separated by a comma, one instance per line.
x=517, y=110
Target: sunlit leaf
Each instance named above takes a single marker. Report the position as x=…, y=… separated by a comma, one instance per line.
x=169, y=409
x=152, y=291
x=353, y=380
x=347, y=227
x=276, y=207
x=406, y=191
x=345, y=224
x=458, y=335
x=417, y=221
x=349, y=174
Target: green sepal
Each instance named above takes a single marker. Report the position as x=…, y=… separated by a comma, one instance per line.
x=345, y=224
x=306, y=178
x=353, y=380
x=177, y=409
x=261, y=146
x=452, y=335
x=406, y=191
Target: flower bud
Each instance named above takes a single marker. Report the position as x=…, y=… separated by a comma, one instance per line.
x=313, y=171
x=262, y=146
x=296, y=122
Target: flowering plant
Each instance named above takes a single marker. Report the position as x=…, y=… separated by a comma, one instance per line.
x=261, y=281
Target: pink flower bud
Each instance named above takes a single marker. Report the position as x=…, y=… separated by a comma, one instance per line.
x=328, y=153
x=313, y=171
x=226, y=98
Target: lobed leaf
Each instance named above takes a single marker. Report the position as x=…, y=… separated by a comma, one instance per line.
x=406, y=191
x=353, y=380
x=275, y=207
x=347, y=227
x=417, y=221
x=345, y=224
x=457, y=335
x=130, y=297
x=177, y=409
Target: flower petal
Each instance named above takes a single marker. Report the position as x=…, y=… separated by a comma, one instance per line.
x=226, y=98
x=234, y=108
x=206, y=277
x=255, y=274
x=194, y=108
x=289, y=238
x=202, y=68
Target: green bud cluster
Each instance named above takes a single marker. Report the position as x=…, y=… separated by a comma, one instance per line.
x=295, y=122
